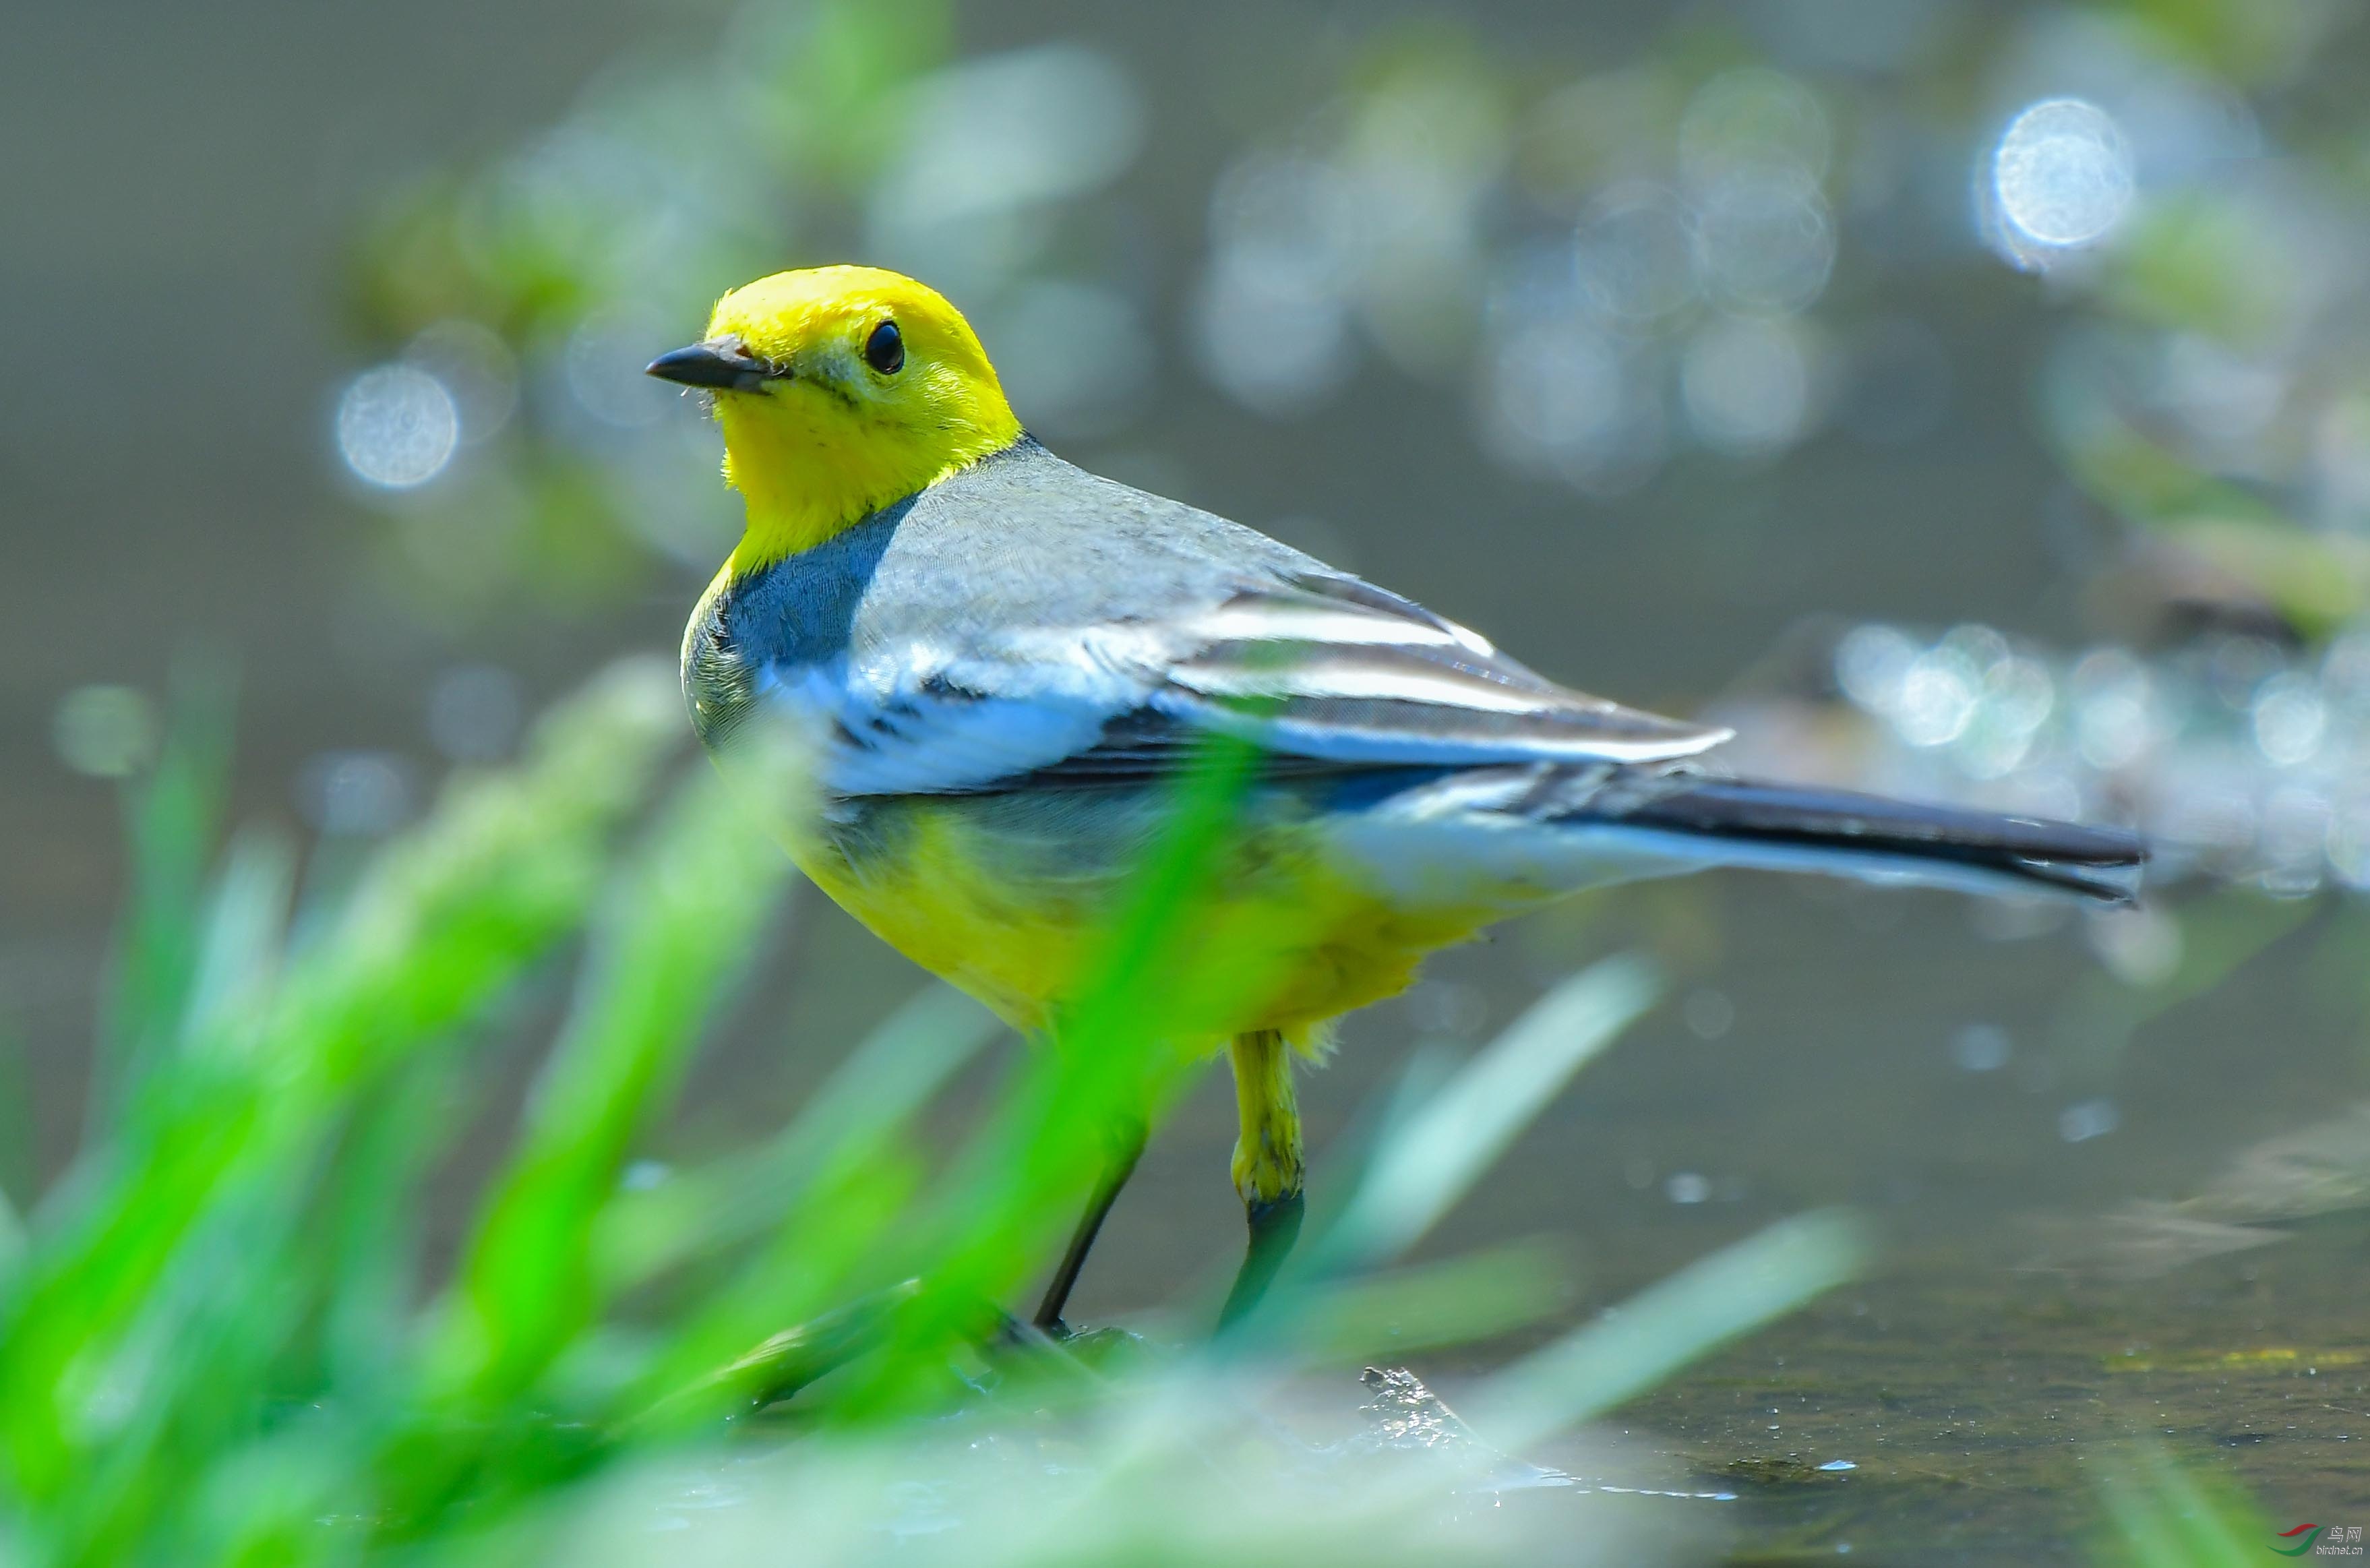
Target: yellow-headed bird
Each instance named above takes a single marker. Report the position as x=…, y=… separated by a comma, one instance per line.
x=1000, y=662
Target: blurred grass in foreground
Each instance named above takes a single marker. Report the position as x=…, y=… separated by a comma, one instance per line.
x=218, y=1343
x=2159, y=1515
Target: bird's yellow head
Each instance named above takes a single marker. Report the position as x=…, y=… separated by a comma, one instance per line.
x=840, y=390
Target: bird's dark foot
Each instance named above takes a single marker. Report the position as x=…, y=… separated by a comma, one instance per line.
x=1097, y=1350
x=1106, y=1349
x=784, y=1364
x=1274, y=1226
x=1048, y=1321
x=1038, y=1329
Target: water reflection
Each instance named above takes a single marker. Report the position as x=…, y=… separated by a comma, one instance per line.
x=2237, y=757
x=1647, y=249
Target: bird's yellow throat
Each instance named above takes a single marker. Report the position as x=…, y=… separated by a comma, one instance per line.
x=848, y=427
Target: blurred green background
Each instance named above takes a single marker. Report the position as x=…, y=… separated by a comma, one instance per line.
x=1972, y=401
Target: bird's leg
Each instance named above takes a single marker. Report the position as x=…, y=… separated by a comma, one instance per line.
x=1081, y=1240
x=1266, y=1162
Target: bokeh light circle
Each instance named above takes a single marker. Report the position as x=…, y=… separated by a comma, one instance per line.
x=396, y=427
x=2062, y=173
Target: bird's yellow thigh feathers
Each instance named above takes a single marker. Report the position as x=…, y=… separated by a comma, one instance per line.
x=1267, y=1149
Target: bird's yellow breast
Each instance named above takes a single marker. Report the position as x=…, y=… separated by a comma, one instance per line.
x=1007, y=895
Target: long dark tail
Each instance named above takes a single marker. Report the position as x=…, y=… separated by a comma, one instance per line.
x=1792, y=827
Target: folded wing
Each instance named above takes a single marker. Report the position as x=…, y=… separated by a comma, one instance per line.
x=1327, y=672
x=1336, y=669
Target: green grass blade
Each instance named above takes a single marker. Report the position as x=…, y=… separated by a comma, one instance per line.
x=174, y=816
x=893, y=1072
x=19, y=1158
x=1428, y=1161
x=243, y=932
x=448, y=916
x=1457, y=1301
x=1669, y=1324
x=2157, y=1512
x=677, y=924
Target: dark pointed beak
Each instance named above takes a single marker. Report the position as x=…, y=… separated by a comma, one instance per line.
x=722, y=364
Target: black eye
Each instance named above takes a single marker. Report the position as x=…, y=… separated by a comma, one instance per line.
x=885, y=350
